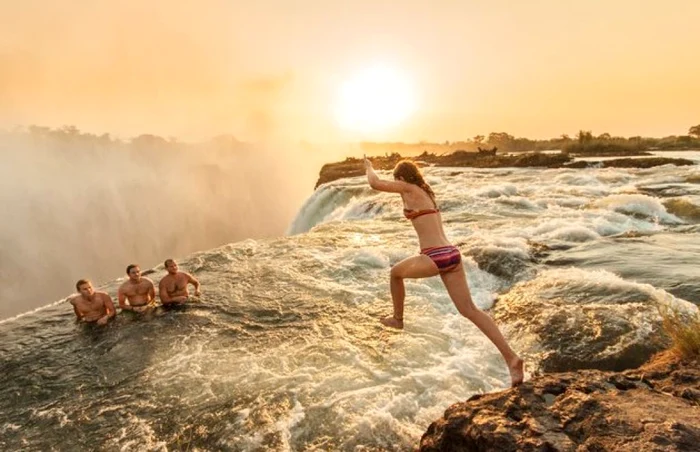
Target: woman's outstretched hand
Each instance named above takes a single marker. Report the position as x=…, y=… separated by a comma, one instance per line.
x=368, y=164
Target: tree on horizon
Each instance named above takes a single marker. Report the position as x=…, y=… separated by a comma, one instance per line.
x=584, y=136
x=694, y=131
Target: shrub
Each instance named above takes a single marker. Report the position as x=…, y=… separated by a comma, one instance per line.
x=684, y=330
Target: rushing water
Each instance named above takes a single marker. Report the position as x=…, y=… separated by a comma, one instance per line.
x=285, y=351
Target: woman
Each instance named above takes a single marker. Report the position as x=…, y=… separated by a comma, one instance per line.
x=437, y=257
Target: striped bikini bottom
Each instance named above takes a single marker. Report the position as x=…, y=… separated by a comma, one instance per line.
x=447, y=258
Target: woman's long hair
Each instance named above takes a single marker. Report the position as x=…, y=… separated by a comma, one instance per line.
x=410, y=173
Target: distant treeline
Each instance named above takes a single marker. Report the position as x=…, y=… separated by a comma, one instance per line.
x=71, y=138
x=583, y=143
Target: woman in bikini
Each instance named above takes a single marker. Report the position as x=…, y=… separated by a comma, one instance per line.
x=437, y=257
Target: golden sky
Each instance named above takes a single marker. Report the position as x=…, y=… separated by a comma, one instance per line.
x=264, y=68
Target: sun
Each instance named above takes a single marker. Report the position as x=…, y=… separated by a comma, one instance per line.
x=375, y=99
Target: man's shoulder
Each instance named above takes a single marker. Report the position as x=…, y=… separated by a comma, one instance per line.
x=73, y=299
x=148, y=280
x=102, y=294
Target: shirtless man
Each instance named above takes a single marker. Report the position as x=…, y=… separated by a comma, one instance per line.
x=138, y=290
x=173, y=287
x=90, y=306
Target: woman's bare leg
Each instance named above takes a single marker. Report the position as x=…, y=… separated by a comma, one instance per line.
x=456, y=284
x=412, y=267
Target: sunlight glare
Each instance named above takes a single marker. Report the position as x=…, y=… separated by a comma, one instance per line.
x=375, y=99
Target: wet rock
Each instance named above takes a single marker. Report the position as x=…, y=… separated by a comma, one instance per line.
x=584, y=410
x=569, y=321
x=352, y=167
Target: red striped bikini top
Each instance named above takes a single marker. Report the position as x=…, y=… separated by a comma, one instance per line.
x=411, y=214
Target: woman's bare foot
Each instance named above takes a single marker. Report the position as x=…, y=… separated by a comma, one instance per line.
x=392, y=322
x=517, y=372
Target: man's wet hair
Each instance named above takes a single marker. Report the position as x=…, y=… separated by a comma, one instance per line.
x=80, y=283
x=168, y=261
x=130, y=267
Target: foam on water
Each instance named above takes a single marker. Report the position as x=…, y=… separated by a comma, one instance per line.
x=641, y=205
x=285, y=351
x=578, y=179
x=575, y=318
x=320, y=205
x=496, y=191
x=520, y=202
x=595, y=286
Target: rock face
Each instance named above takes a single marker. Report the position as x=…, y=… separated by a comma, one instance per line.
x=568, y=322
x=653, y=408
x=353, y=167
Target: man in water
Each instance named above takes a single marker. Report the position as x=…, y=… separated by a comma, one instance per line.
x=173, y=287
x=90, y=306
x=138, y=290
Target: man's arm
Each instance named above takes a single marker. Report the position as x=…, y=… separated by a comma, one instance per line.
x=109, y=306
x=78, y=314
x=121, y=296
x=163, y=293
x=384, y=185
x=192, y=280
x=151, y=291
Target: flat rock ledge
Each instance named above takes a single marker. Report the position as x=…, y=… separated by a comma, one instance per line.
x=653, y=408
x=352, y=167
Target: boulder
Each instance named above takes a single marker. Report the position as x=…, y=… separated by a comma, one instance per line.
x=653, y=408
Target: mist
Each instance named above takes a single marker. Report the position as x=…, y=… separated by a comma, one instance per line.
x=77, y=205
